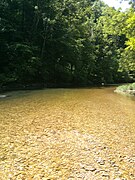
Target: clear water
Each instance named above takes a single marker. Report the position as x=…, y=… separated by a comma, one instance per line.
x=99, y=112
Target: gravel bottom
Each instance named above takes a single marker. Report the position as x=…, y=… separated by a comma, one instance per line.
x=61, y=154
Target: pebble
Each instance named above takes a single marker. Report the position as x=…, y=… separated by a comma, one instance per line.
x=79, y=164
x=106, y=175
x=101, y=161
x=89, y=168
x=97, y=171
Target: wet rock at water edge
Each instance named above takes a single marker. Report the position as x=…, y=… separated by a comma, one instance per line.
x=3, y=95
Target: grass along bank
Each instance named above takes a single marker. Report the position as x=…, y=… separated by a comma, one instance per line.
x=126, y=89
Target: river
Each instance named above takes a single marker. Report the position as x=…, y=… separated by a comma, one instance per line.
x=85, y=133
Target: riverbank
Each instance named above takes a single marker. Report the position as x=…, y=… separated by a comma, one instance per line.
x=8, y=91
x=126, y=89
x=23, y=87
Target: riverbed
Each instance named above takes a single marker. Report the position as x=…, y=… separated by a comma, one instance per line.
x=85, y=133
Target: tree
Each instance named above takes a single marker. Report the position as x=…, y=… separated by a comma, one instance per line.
x=60, y=42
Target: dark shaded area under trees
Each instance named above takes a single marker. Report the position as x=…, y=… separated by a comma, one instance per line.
x=65, y=43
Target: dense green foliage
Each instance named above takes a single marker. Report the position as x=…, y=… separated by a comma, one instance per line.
x=70, y=42
x=126, y=89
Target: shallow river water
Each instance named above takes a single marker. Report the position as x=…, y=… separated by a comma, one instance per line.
x=67, y=134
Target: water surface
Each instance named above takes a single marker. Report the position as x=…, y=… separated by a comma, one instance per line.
x=52, y=118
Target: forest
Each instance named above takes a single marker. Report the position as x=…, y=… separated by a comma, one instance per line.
x=54, y=43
